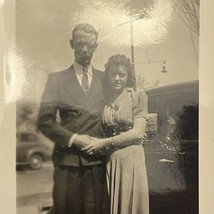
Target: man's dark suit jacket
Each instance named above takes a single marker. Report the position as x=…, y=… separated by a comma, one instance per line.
x=79, y=113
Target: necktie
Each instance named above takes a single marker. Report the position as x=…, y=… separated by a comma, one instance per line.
x=85, y=83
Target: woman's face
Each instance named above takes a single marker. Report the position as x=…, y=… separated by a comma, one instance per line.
x=118, y=77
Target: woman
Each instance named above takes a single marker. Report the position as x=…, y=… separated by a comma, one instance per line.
x=124, y=122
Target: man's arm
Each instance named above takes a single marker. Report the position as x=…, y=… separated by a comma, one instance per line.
x=47, y=123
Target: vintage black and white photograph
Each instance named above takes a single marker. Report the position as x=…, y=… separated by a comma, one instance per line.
x=107, y=106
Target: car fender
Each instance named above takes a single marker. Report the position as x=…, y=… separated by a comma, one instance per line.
x=35, y=151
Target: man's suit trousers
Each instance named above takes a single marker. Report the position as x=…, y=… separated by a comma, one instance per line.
x=80, y=190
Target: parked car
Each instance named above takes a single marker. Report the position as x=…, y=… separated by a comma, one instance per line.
x=171, y=148
x=30, y=150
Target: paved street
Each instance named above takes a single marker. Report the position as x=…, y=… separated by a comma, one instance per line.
x=34, y=188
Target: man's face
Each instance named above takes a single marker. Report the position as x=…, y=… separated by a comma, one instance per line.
x=84, y=45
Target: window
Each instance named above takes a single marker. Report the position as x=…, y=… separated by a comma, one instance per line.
x=151, y=126
x=173, y=118
x=182, y=118
x=28, y=137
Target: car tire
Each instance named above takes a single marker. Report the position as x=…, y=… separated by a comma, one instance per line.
x=36, y=161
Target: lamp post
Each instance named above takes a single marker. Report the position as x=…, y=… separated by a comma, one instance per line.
x=132, y=46
x=139, y=16
x=155, y=62
x=164, y=67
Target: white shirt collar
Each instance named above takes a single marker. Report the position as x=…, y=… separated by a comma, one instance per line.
x=79, y=69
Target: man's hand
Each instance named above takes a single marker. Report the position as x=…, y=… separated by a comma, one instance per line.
x=81, y=141
x=94, y=147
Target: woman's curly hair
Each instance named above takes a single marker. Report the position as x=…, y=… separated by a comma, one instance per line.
x=120, y=60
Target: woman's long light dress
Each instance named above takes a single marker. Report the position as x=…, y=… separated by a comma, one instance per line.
x=126, y=170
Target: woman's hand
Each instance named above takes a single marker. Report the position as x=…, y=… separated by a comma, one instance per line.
x=94, y=146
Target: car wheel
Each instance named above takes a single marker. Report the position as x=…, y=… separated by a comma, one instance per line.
x=36, y=162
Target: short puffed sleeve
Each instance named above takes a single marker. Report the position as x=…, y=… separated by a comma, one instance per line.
x=140, y=104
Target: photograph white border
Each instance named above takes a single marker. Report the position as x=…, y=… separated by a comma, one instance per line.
x=206, y=77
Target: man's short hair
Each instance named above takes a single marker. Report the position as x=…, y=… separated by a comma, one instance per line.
x=85, y=27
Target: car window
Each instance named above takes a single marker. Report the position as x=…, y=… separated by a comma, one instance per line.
x=185, y=121
x=182, y=117
x=173, y=119
x=28, y=137
x=151, y=126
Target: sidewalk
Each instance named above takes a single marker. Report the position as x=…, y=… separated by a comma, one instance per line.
x=34, y=189
x=31, y=209
x=41, y=208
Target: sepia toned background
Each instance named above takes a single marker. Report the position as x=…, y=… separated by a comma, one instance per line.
x=162, y=35
x=43, y=31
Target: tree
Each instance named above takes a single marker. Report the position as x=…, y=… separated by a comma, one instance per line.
x=142, y=84
x=188, y=11
x=26, y=116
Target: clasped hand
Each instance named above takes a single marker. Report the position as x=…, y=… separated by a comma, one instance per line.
x=94, y=146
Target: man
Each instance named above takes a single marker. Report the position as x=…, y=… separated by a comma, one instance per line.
x=76, y=94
